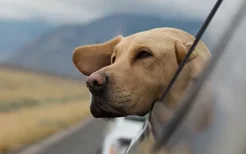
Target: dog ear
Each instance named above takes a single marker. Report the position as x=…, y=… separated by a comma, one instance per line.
x=182, y=49
x=91, y=58
x=198, y=59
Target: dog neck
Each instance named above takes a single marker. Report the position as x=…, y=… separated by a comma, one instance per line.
x=158, y=117
x=163, y=111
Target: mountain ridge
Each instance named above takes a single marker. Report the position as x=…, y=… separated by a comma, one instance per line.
x=16, y=33
x=52, y=52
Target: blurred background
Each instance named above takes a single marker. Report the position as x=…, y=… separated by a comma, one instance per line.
x=41, y=92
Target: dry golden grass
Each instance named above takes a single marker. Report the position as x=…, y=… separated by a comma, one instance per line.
x=55, y=103
x=28, y=125
x=16, y=84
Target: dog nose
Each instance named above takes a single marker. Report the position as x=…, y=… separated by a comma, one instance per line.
x=96, y=81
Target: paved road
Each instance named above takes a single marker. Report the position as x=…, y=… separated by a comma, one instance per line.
x=85, y=140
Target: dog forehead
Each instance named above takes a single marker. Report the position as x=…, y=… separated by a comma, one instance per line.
x=142, y=38
x=158, y=37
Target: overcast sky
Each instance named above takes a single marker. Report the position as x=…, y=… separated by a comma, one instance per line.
x=82, y=11
x=74, y=11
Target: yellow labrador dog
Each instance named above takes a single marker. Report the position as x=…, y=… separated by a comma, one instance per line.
x=127, y=75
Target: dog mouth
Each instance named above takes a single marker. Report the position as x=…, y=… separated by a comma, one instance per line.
x=100, y=109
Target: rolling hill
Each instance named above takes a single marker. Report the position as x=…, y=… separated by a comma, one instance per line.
x=15, y=34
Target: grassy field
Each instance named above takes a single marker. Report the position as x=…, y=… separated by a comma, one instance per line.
x=33, y=106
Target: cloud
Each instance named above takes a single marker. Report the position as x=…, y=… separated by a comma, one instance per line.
x=63, y=11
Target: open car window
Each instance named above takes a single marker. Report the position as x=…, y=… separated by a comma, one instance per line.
x=224, y=132
x=136, y=118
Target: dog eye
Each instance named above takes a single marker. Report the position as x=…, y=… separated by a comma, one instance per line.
x=143, y=54
x=113, y=59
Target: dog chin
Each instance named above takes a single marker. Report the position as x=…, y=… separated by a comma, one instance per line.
x=98, y=109
x=98, y=112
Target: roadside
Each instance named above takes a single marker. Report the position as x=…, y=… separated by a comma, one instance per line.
x=85, y=137
x=29, y=125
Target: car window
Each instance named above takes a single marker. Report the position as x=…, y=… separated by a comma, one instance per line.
x=225, y=89
x=137, y=118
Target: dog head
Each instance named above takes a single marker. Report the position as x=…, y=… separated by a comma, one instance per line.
x=127, y=75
